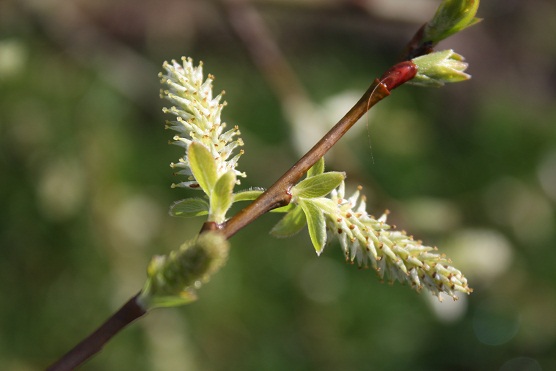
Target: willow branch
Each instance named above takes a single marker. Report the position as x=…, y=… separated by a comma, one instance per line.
x=417, y=46
x=278, y=194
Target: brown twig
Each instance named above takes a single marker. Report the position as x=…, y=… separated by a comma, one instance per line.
x=417, y=45
x=278, y=194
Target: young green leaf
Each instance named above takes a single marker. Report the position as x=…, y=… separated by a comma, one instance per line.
x=185, y=297
x=315, y=223
x=247, y=195
x=452, y=16
x=317, y=168
x=326, y=205
x=318, y=185
x=221, y=198
x=189, y=207
x=283, y=209
x=290, y=224
x=203, y=166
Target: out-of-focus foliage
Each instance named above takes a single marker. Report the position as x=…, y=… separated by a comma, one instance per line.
x=84, y=188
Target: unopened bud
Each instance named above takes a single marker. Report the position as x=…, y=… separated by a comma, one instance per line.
x=438, y=68
x=452, y=16
x=173, y=279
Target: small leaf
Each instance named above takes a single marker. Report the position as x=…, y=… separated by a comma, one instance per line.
x=221, y=198
x=283, y=209
x=189, y=207
x=247, y=195
x=290, y=224
x=316, y=224
x=185, y=297
x=203, y=166
x=318, y=185
x=317, y=168
x=326, y=205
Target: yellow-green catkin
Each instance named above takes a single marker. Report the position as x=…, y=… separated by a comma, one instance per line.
x=174, y=278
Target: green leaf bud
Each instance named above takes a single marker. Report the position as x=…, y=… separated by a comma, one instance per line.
x=247, y=195
x=316, y=224
x=318, y=185
x=173, y=279
x=189, y=207
x=203, y=166
x=452, y=16
x=317, y=168
x=436, y=69
x=222, y=196
x=290, y=224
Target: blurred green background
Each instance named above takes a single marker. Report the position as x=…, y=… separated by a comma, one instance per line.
x=84, y=185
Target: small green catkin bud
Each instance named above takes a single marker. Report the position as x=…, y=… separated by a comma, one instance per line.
x=173, y=279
